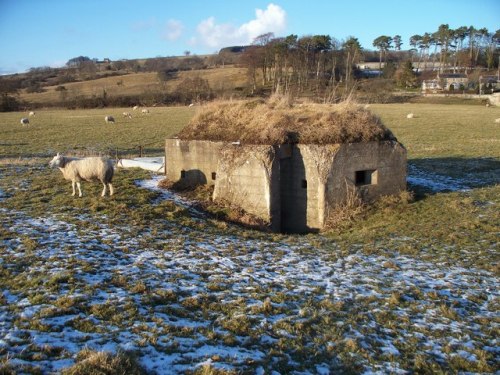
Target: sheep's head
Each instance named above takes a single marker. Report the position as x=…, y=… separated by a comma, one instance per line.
x=57, y=161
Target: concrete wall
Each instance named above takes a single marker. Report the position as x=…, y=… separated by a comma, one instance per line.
x=291, y=186
x=372, y=169
x=193, y=162
x=245, y=178
x=299, y=189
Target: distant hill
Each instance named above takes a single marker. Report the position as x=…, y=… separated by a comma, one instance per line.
x=160, y=80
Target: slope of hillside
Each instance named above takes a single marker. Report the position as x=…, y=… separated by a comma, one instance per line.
x=227, y=78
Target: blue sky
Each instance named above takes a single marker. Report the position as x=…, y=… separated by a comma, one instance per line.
x=36, y=33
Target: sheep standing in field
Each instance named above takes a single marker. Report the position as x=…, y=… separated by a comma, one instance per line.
x=134, y=108
x=127, y=114
x=109, y=119
x=145, y=111
x=87, y=169
x=25, y=121
x=410, y=115
x=32, y=113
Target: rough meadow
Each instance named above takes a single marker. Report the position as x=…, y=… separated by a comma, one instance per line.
x=144, y=282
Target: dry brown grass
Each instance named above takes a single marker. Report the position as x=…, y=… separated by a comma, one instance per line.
x=92, y=362
x=278, y=121
x=344, y=214
x=139, y=83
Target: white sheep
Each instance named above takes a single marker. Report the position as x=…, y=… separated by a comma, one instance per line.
x=109, y=119
x=145, y=111
x=32, y=113
x=127, y=114
x=87, y=169
x=410, y=115
x=134, y=108
x=25, y=121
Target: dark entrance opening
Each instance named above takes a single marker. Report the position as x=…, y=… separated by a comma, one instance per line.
x=293, y=191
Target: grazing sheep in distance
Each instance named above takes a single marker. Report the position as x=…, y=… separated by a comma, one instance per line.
x=145, y=111
x=25, y=121
x=127, y=114
x=109, y=119
x=32, y=113
x=134, y=108
x=87, y=169
x=410, y=115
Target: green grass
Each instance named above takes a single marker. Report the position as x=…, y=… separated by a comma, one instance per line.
x=52, y=131
x=454, y=228
x=444, y=131
x=442, y=229
x=458, y=141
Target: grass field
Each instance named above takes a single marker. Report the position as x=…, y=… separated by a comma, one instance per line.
x=438, y=131
x=409, y=287
x=52, y=131
x=227, y=78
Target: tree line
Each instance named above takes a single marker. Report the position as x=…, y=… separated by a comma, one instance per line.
x=320, y=66
x=461, y=47
x=323, y=64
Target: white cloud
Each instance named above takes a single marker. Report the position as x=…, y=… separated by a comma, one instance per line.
x=213, y=35
x=273, y=19
x=173, y=30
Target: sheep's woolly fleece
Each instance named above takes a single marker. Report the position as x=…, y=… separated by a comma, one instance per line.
x=234, y=303
x=277, y=121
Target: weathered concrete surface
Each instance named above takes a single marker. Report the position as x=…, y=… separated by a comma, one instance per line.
x=386, y=160
x=245, y=178
x=293, y=187
x=195, y=162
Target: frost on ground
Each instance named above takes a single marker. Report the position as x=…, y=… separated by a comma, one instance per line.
x=434, y=182
x=181, y=298
x=468, y=174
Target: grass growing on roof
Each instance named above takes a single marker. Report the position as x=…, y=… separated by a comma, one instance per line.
x=278, y=121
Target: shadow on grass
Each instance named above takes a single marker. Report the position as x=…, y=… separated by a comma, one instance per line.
x=436, y=175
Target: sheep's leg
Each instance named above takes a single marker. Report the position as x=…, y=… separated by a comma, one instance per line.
x=103, y=190
x=73, y=183
x=111, y=191
x=79, y=189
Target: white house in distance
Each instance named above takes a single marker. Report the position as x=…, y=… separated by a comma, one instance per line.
x=446, y=82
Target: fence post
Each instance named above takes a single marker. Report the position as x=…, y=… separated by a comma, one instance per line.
x=140, y=151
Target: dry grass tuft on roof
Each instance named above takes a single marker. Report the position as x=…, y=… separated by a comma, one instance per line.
x=278, y=121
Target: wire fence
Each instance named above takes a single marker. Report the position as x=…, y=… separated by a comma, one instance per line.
x=113, y=152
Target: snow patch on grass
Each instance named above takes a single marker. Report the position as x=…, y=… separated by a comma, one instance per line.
x=205, y=298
